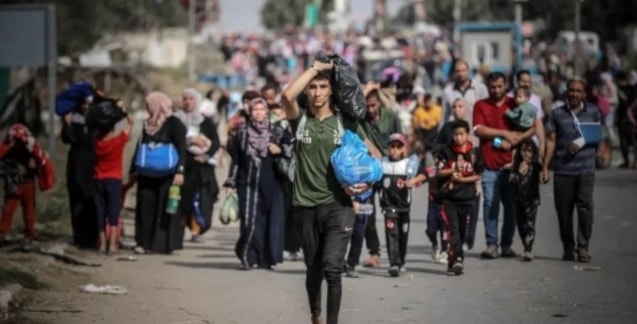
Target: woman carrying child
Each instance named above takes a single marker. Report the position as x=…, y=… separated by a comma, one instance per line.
x=200, y=186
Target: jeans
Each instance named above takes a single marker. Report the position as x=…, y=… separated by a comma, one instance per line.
x=435, y=225
x=497, y=189
x=326, y=231
x=356, y=243
x=574, y=191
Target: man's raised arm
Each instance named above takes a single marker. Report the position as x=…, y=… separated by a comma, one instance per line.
x=294, y=89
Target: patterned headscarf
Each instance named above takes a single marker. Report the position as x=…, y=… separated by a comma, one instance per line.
x=258, y=134
x=20, y=133
x=159, y=107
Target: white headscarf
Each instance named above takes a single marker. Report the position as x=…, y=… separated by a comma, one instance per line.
x=194, y=117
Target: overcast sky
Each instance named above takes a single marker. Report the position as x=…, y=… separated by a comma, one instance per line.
x=244, y=15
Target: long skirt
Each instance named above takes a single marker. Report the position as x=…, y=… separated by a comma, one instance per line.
x=262, y=226
x=199, y=195
x=156, y=230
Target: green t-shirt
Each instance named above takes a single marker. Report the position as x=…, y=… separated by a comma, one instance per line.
x=378, y=133
x=315, y=183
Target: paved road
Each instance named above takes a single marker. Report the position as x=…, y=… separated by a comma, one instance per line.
x=202, y=284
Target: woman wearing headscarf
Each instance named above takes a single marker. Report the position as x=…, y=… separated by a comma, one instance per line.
x=200, y=186
x=155, y=229
x=253, y=174
x=80, y=185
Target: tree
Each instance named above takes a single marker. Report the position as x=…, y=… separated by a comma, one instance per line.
x=604, y=17
x=277, y=14
x=81, y=23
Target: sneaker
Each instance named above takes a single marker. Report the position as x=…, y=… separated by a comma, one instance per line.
x=450, y=272
x=403, y=270
x=457, y=268
x=394, y=271
x=583, y=256
x=350, y=272
x=507, y=252
x=491, y=252
x=527, y=256
x=435, y=253
x=197, y=239
x=568, y=256
x=293, y=256
x=372, y=262
x=443, y=257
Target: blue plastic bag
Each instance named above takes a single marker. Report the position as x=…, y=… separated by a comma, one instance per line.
x=352, y=163
x=71, y=98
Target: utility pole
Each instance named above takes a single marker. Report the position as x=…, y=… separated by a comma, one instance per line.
x=457, y=18
x=518, y=12
x=577, y=59
x=191, y=40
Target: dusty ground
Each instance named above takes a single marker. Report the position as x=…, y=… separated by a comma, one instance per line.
x=202, y=284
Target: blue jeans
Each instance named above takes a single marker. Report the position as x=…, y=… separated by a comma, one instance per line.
x=356, y=242
x=496, y=189
x=435, y=225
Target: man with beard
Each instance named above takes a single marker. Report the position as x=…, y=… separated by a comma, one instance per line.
x=490, y=122
x=573, y=168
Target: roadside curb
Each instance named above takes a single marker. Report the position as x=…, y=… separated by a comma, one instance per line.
x=8, y=295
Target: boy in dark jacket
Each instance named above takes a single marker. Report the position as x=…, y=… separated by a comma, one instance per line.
x=459, y=168
x=400, y=175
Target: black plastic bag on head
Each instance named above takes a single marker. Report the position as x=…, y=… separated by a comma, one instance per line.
x=102, y=115
x=347, y=92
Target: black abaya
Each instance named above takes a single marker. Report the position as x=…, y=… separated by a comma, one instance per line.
x=201, y=181
x=156, y=230
x=80, y=185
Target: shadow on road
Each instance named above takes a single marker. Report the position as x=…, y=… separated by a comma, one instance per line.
x=234, y=265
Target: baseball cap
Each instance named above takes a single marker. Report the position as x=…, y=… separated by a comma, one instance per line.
x=397, y=137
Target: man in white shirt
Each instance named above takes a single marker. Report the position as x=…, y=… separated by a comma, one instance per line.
x=471, y=92
x=462, y=87
x=523, y=80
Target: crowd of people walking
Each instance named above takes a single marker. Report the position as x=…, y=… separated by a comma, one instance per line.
x=485, y=147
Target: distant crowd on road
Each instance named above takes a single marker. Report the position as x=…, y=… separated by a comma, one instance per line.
x=486, y=144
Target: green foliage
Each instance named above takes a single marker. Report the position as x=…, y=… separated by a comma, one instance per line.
x=277, y=14
x=603, y=17
x=80, y=23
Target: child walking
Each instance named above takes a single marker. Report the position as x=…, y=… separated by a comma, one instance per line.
x=525, y=177
x=395, y=199
x=362, y=208
x=109, y=149
x=459, y=168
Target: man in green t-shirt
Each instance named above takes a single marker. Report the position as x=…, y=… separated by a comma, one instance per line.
x=380, y=123
x=321, y=205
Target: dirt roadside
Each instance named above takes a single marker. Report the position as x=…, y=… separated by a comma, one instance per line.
x=53, y=292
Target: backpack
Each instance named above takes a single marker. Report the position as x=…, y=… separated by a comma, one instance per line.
x=298, y=137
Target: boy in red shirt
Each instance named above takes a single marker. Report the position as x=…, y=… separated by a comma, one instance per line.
x=109, y=148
